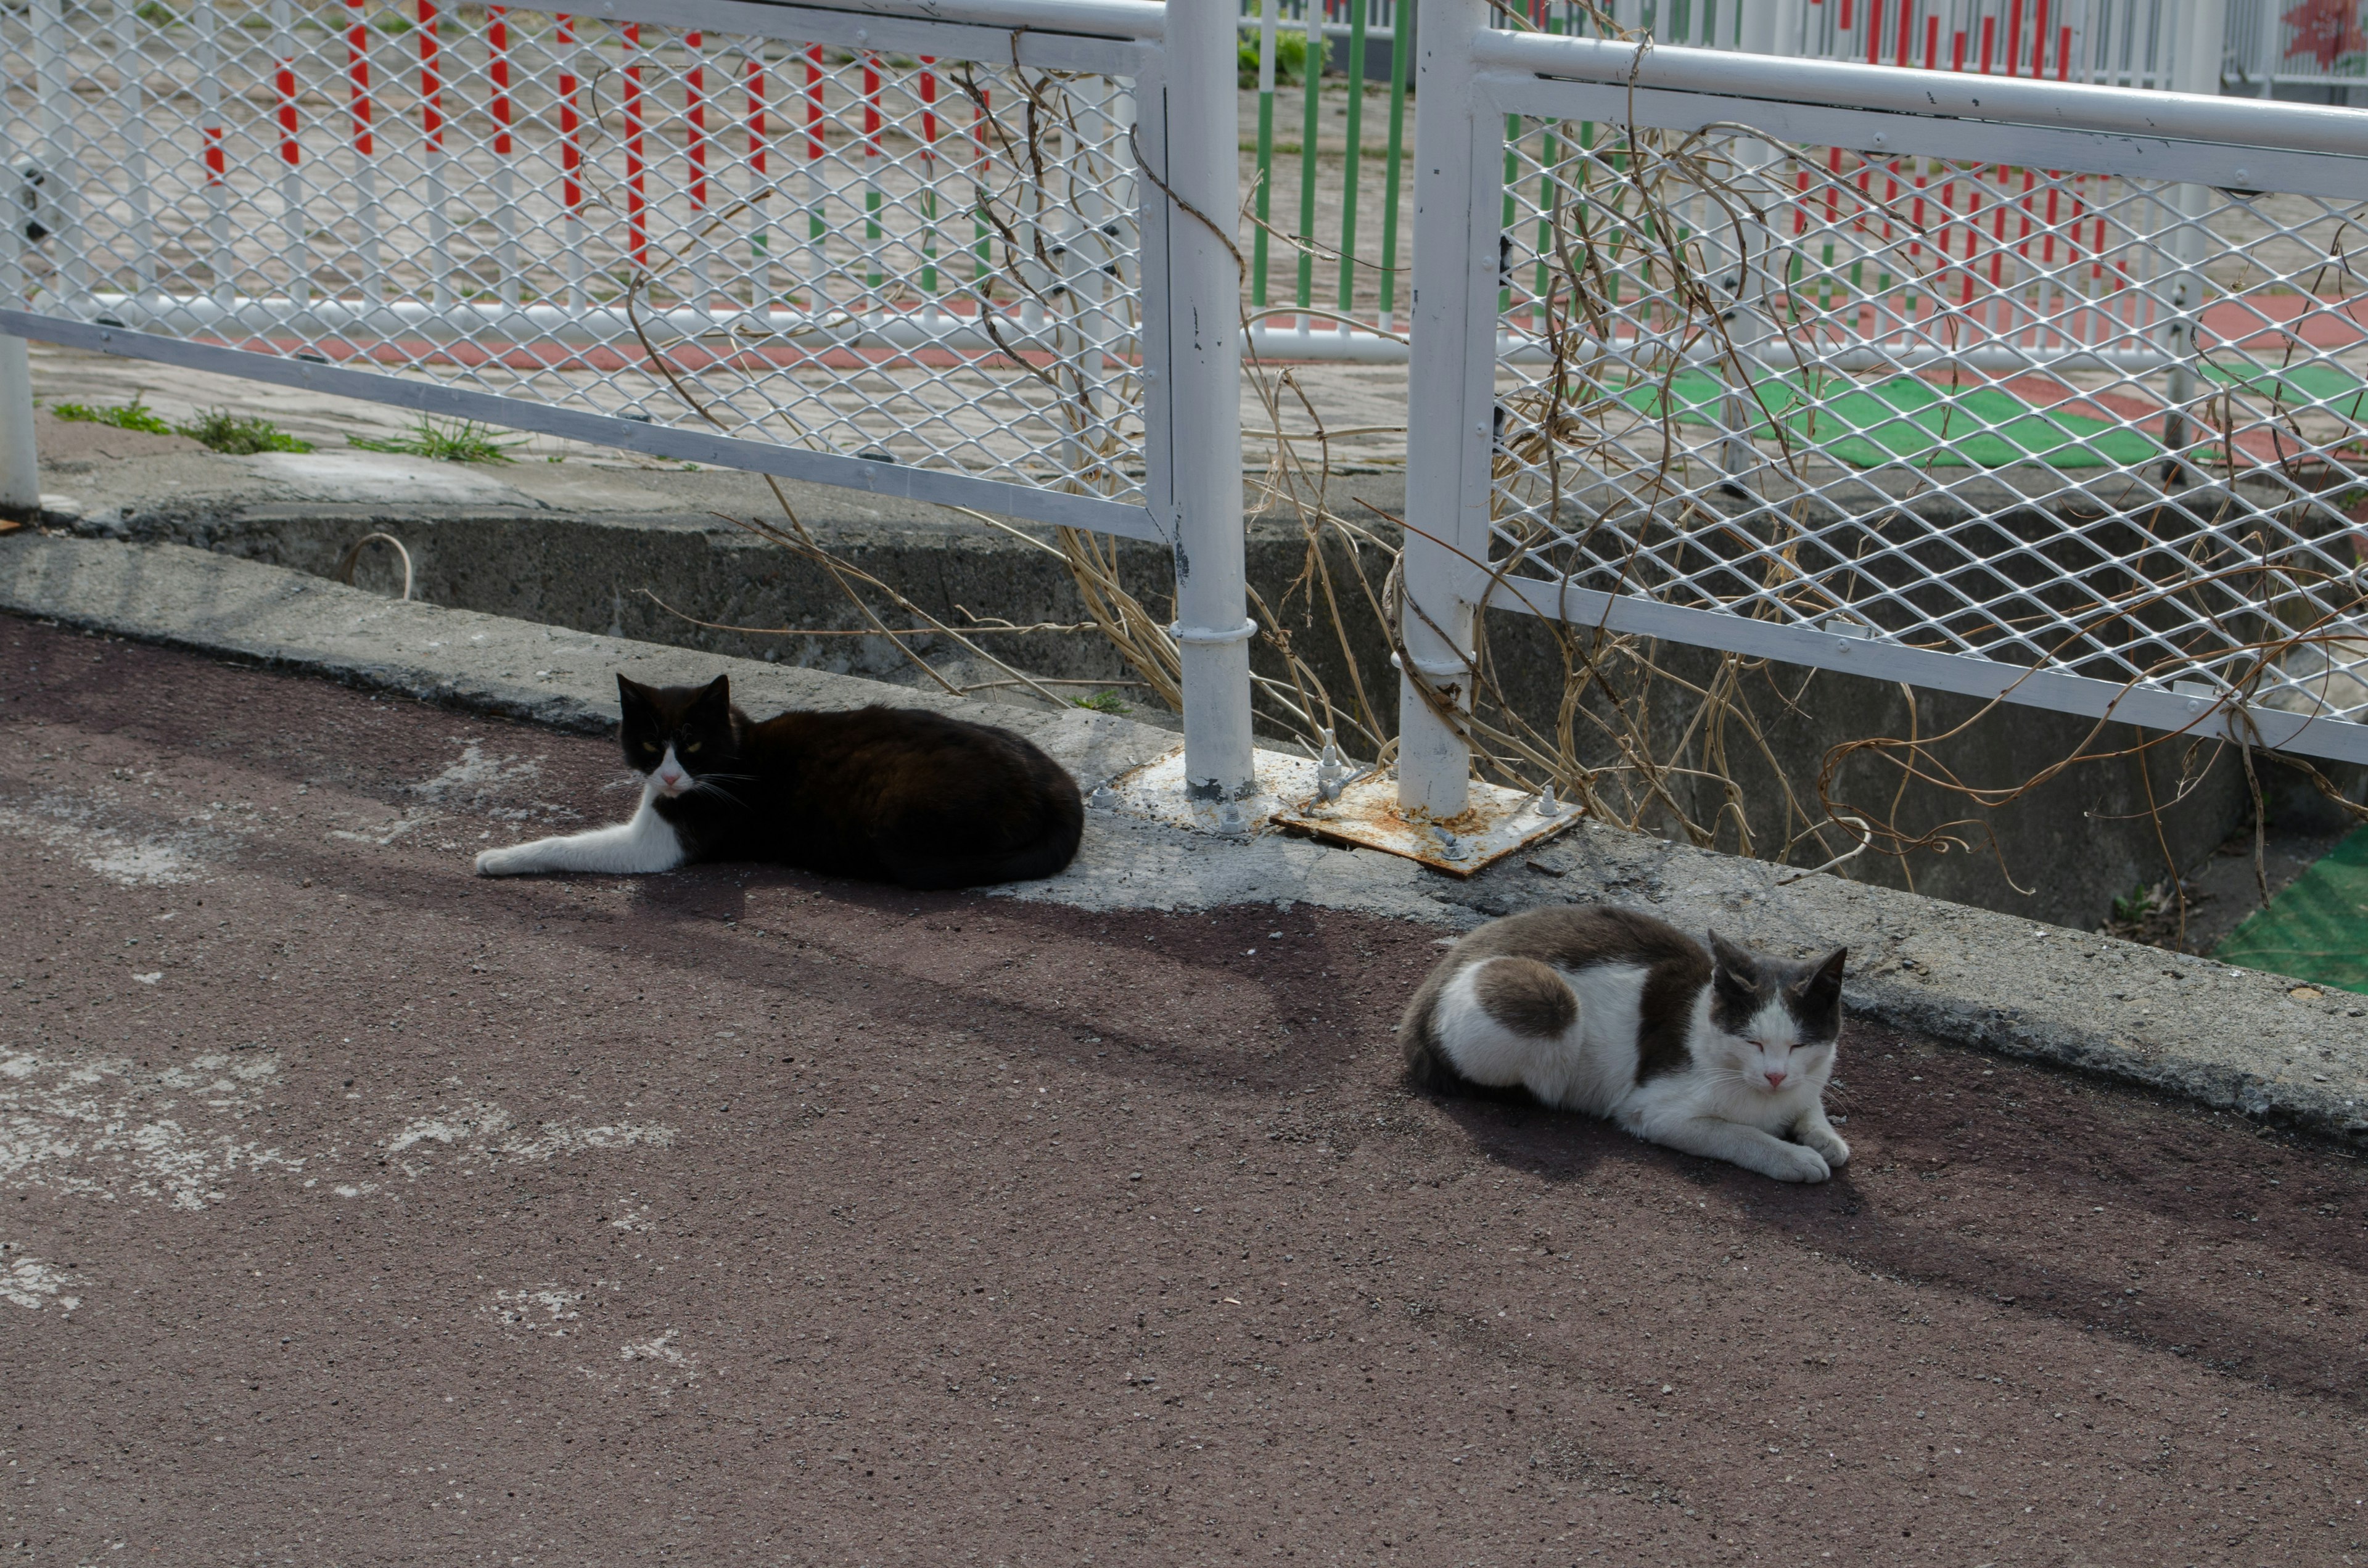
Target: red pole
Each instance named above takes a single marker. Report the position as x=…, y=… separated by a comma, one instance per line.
x=283, y=81
x=757, y=113
x=498, y=44
x=814, y=103
x=571, y=146
x=636, y=220
x=431, y=80
x=357, y=77
x=695, y=110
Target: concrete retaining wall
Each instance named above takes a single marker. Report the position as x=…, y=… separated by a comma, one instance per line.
x=2060, y=854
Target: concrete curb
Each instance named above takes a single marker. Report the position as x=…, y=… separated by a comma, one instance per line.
x=2229, y=1037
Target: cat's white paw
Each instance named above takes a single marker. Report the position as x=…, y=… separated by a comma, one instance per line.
x=1828, y=1144
x=509, y=862
x=1791, y=1162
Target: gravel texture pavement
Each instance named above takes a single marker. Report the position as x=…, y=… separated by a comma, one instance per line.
x=357, y=1211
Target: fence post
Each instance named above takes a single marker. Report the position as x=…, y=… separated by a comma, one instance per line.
x=2201, y=43
x=2196, y=68
x=20, y=475
x=20, y=478
x=1203, y=320
x=1450, y=405
x=1757, y=32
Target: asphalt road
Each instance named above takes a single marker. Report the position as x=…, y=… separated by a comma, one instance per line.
x=358, y=1211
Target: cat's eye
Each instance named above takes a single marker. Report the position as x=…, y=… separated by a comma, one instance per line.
x=690, y=746
x=649, y=745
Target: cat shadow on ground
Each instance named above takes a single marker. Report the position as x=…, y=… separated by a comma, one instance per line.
x=701, y=893
x=1510, y=1128
x=1883, y=1214
x=1038, y=976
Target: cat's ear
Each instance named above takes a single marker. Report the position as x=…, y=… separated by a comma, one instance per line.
x=715, y=696
x=1736, y=964
x=1733, y=971
x=636, y=702
x=1817, y=996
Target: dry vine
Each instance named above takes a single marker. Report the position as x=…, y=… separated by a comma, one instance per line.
x=1651, y=738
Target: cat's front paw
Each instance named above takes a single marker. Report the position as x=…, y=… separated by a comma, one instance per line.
x=1791, y=1162
x=510, y=861
x=1828, y=1144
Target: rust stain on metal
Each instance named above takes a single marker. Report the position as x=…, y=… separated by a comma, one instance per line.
x=1498, y=822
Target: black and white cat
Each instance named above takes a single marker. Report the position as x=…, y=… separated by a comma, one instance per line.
x=890, y=794
x=1717, y=1052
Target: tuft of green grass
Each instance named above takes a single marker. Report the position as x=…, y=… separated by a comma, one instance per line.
x=133, y=415
x=1290, y=59
x=155, y=14
x=240, y=435
x=1103, y=702
x=462, y=441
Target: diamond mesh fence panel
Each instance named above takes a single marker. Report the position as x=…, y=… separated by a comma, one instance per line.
x=2085, y=422
x=925, y=260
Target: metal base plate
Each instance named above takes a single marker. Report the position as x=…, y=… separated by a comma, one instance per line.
x=1498, y=822
x=1156, y=790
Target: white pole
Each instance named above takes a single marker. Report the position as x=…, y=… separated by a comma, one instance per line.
x=20, y=473
x=1755, y=30
x=1449, y=406
x=2196, y=68
x=1203, y=313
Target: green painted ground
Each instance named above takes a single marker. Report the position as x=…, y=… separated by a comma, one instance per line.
x=1907, y=419
x=2317, y=928
x=2301, y=387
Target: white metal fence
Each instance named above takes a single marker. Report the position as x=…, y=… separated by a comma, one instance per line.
x=2017, y=389
x=900, y=247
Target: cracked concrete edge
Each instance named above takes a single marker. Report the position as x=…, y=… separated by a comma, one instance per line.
x=2231, y=1038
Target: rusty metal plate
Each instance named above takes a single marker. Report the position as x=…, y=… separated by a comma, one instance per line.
x=1497, y=823
x=1364, y=813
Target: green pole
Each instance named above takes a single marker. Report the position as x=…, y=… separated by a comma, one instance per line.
x=1264, y=150
x=1306, y=296
x=1357, y=16
x=1402, y=19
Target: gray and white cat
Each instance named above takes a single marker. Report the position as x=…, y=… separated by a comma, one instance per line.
x=1718, y=1052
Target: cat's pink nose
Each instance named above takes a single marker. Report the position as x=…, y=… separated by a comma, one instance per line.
x=1776, y=1079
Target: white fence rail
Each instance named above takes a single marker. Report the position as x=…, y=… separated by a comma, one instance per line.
x=2013, y=388
x=899, y=247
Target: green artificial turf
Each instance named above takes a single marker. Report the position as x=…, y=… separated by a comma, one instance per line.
x=2299, y=387
x=1907, y=419
x=2317, y=928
